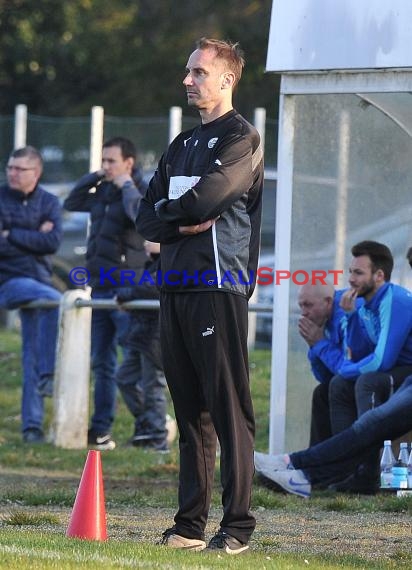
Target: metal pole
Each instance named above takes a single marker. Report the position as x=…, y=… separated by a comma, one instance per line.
x=96, y=143
x=280, y=330
x=175, y=122
x=342, y=193
x=72, y=372
x=20, y=126
x=96, y=138
x=260, y=124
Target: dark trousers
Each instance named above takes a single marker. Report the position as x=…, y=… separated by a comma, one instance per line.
x=320, y=428
x=143, y=388
x=204, y=348
x=350, y=399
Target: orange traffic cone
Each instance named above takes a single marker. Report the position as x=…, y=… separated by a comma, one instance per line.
x=88, y=519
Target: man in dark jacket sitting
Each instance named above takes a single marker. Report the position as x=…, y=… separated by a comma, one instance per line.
x=115, y=254
x=30, y=230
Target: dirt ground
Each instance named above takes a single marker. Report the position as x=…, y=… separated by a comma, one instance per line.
x=306, y=529
x=377, y=536
x=307, y=534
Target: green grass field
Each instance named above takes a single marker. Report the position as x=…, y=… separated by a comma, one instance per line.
x=38, y=486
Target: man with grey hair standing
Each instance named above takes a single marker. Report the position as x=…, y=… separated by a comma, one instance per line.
x=30, y=231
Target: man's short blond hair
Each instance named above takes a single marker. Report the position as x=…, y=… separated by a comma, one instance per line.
x=229, y=52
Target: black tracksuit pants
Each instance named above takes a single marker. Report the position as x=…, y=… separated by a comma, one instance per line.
x=320, y=428
x=204, y=349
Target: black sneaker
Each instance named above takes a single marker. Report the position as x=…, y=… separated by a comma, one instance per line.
x=45, y=386
x=150, y=443
x=159, y=445
x=223, y=542
x=101, y=442
x=356, y=485
x=140, y=439
x=33, y=435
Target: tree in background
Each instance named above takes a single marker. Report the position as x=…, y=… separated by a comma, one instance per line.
x=60, y=58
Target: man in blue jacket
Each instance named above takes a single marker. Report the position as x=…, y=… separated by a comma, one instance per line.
x=30, y=230
x=386, y=320
x=320, y=325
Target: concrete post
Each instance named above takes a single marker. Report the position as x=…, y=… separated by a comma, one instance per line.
x=71, y=390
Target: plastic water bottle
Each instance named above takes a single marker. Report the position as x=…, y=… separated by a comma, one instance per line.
x=399, y=475
x=410, y=471
x=403, y=453
x=387, y=462
x=400, y=469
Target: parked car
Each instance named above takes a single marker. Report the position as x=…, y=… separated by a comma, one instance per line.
x=72, y=250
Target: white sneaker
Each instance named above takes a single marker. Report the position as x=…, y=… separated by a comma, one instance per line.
x=103, y=442
x=292, y=481
x=267, y=463
x=173, y=540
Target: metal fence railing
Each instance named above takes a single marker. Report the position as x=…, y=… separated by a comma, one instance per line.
x=72, y=372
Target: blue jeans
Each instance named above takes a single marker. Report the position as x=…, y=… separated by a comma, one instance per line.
x=340, y=455
x=109, y=329
x=39, y=335
x=348, y=400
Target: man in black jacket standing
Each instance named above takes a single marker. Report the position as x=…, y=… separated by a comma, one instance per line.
x=204, y=206
x=114, y=248
x=30, y=231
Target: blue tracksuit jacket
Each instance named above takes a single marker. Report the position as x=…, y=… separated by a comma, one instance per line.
x=386, y=323
x=327, y=355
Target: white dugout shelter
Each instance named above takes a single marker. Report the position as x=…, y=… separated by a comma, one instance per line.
x=344, y=164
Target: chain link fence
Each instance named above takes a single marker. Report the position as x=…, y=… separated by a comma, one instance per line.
x=65, y=141
x=65, y=144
